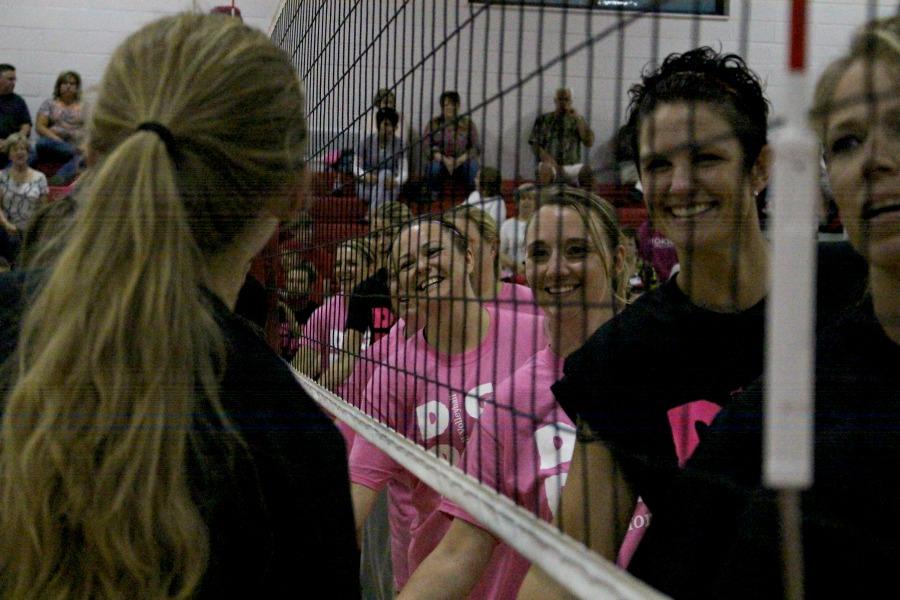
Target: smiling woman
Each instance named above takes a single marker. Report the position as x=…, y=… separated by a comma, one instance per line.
x=523, y=442
x=643, y=380
x=432, y=390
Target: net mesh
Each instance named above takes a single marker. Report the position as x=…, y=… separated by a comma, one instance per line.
x=476, y=215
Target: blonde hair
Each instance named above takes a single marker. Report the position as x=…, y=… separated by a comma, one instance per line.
x=15, y=139
x=600, y=219
x=878, y=40
x=395, y=213
x=120, y=347
x=360, y=246
x=481, y=222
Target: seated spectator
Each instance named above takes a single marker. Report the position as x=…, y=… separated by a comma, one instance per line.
x=483, y=241
x=45, y=234
x=487, y=194
x=453, y=141
x=512, y=233
x=381, y=166
x=295, y=303
x=14, y=115
x=556, y=141
x=658, y=251
x=22, y=191
x=61, y=127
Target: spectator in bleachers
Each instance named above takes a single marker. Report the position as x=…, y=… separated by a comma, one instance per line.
x=22, y=191
x=657, y=251
x=45, y=235
x=295, y=303
x=483, y=239
x=381, y=165
x=512, y=233
x=556, y=140
x=14, y=115
x=575, y=270
x=369, y=314
x=452, y=140
x=323, y=335
x=60, y=126
x=487, y=194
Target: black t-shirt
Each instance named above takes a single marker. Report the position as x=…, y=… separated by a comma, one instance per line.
x=650, y=380
x=660, y=358
x=717, y=534
x=369, y=308
x=13, y=114
x=278, y=512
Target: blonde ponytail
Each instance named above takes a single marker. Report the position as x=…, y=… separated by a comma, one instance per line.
x=120, y=348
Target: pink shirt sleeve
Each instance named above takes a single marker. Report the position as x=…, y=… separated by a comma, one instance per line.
x=369, y=466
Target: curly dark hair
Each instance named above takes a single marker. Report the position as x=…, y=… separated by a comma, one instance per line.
x=705, y=75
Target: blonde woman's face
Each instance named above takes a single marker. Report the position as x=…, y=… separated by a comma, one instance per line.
x=350, y=268
x=862, y=148
x=18, y=154
x=564, y=267
x=485, y=253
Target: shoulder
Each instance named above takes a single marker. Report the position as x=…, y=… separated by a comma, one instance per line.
x=46, y=105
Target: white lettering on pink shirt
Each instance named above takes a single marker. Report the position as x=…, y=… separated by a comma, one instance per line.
x=414, y=396
x=522, y=448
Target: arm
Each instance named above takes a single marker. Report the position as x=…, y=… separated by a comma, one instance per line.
x=584, y=131
x=540, y=586
x=455, y=566
x=339, y=370
x=25, y=129
x=363, y=500
x=6, y=223
x=597, y=502
x=595, y=508
x=43, y=127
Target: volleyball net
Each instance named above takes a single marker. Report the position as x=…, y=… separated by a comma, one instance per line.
x=428, y=341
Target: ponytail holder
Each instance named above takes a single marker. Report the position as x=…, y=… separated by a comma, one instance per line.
x=165, y=135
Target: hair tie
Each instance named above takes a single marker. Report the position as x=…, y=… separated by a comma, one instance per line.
x=165, y=135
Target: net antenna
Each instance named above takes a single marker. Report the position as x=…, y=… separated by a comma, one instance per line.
x=790, y=361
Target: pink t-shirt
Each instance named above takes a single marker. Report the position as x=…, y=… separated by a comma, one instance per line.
x=324, y=332
x=522, y=449
x=400, y=509
x=435, y=400
x=516, y=298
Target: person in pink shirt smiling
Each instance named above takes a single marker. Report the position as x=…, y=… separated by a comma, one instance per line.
x=524, y=441
x=483, y=238
x=324, y=332
x=432, y=390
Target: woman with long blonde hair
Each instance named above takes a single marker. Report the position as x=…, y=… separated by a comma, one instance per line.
x=152, y=445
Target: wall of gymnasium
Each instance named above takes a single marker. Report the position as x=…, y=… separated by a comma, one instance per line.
x=424, y=46
x=44, y=37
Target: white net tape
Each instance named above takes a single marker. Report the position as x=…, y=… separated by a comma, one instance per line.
x=584, y=573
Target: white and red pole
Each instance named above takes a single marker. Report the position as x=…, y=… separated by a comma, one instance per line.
x=790, y=356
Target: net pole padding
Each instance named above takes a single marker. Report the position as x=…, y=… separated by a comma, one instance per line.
x=790, y=363
x=577, y=568
x=791, y=310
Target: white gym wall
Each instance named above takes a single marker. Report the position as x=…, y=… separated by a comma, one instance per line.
x=44, y=37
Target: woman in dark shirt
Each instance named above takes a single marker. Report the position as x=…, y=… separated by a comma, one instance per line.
x=152, y=446
x=642, y=382
x=719, y=535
